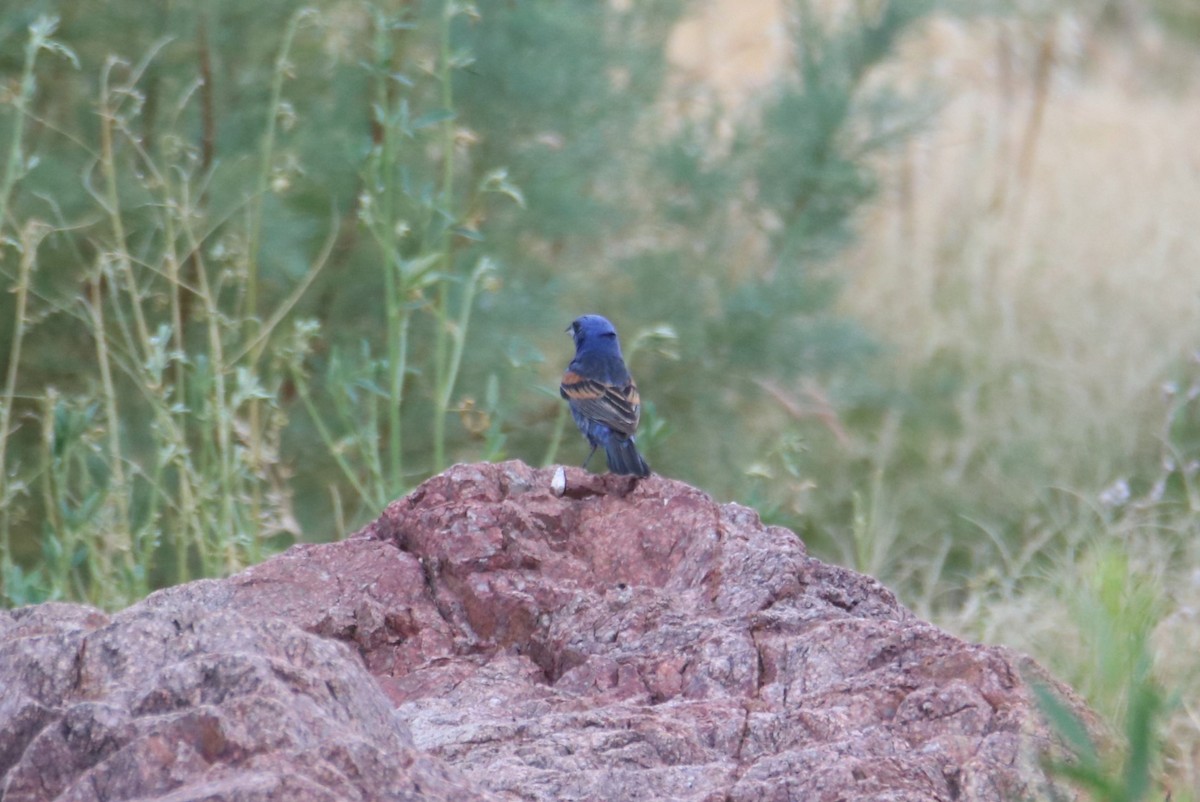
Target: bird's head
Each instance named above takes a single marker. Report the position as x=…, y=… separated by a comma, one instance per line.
x=594, y=331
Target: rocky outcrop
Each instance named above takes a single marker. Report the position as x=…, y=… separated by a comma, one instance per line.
x=180, y=698
x=487, y=638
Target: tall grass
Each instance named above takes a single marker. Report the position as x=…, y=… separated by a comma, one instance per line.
x=418, y=233
x=165, y=463
x=127, y=480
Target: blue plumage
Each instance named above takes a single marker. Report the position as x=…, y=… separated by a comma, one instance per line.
x=602, y=395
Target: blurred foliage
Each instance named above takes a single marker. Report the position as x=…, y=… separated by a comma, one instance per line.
x=1179, y=17
x=290, y=262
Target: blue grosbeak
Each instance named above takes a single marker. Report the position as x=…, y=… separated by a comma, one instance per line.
x=603, y=399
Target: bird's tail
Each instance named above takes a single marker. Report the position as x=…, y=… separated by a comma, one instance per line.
x=623, y=457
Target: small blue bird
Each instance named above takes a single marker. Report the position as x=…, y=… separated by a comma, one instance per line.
x=603, y=399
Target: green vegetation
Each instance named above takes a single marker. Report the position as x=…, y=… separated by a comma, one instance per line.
x=268, y=269
x=1115, y=615
x=241, y=242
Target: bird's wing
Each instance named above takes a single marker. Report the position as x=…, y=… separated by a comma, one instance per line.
x=616, y=406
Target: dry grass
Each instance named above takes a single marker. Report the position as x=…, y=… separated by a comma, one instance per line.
x=1082, y=270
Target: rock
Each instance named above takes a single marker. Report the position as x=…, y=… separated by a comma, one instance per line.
x=180, y=698
x=494, y=636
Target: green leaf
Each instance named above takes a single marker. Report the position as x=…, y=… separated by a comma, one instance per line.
x=1065, y=723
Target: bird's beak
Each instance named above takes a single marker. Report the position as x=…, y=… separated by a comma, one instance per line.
x=567, y=330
